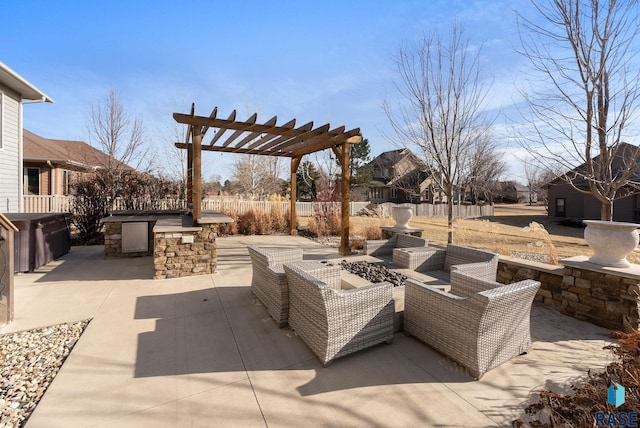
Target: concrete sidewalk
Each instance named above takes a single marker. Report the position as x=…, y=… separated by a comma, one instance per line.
x=200, y=351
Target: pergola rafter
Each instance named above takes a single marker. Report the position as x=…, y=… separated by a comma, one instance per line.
x=266, y=139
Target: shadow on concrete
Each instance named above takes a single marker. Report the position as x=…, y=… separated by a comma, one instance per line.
x=225, y=329
x=87, y=263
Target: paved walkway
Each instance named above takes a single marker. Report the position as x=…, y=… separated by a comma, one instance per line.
x=201, y=352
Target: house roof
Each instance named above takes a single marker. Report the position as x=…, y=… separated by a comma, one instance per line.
x=384, y=163
x=73, y=154
x=19, y=84
x=387, y=160
x=624, y=150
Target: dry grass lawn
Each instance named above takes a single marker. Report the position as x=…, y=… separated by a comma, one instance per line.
x=514, y=230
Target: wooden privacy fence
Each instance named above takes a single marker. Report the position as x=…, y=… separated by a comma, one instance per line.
x=46, y=204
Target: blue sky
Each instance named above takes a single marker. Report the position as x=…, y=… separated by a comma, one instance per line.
x=321, y=61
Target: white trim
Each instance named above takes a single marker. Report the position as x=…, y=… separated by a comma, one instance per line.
x=2, y=114
x=20, y=158
x=19, y=84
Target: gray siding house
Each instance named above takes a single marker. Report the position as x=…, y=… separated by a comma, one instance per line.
x=14, y=91
x=566, y=201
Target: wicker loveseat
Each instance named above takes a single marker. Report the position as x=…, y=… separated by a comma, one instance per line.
x=480, y=324
x=333, y=322
x=438, y=262
x=269, y=282
x=385, y=247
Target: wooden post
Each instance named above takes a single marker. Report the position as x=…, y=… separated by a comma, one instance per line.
x=190, y=161
x=345, y=249
x=293, y=223
x=197, y=173
x=190, y=175
x=7, y=242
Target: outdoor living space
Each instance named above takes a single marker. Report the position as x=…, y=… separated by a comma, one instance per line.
x=201, y=351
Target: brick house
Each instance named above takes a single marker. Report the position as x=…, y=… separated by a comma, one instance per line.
x=51, y=166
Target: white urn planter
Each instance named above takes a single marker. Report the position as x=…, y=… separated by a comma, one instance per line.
x=402, y=214
x=611, y=241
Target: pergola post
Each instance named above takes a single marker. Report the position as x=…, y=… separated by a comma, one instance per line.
x=345, y=184
x=197, y=173
x=190, y=161
x=268, y=139
x=293, y=223
x=189, y=175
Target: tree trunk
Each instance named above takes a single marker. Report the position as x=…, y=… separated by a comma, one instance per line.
x=450, y=220
x=606, y=211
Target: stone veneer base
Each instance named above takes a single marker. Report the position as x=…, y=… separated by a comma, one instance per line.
x=607, y=297
x=176, y=256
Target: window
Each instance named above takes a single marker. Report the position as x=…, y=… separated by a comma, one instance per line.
x=560, y=207
x=375, y=193
x=32, y=181
x=66, y=182
x=394, y=193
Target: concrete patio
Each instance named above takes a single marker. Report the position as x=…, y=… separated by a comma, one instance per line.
x=200, y=352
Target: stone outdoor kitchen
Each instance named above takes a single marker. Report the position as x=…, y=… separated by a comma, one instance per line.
x=178, y=248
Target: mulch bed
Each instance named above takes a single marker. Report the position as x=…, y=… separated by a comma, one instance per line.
x=578, y=409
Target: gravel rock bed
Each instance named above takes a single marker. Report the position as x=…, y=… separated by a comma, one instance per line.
x=29, y=360
x=374, y=273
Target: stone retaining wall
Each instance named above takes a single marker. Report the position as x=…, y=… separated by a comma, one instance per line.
x=175, y=256
x=605, y=297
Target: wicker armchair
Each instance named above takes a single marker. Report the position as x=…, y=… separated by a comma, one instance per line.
x=269, y=282
x=437, y=262
x=385, y=247
x=480, y=324
x=333, y=322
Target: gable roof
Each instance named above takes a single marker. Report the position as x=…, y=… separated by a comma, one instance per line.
x=72, y=154
x=19, y=84
x=624, y=150
x=384, y=163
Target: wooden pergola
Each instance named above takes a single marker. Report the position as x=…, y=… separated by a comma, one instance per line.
x=266, y=139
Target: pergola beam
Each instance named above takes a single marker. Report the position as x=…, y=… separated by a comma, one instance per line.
x=221, y=132
x=267, y=139
x=249, y=124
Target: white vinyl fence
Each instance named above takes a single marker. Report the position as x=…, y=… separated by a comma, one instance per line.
x=440, y=210
x=46, y=204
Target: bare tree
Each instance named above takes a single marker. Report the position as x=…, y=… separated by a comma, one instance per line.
x=306, y=179
x=174, y=164
x=483, y=168
x=257, y=176
x=583, y=51
x=121, y=137
x=537, y=176
x=441, y=109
